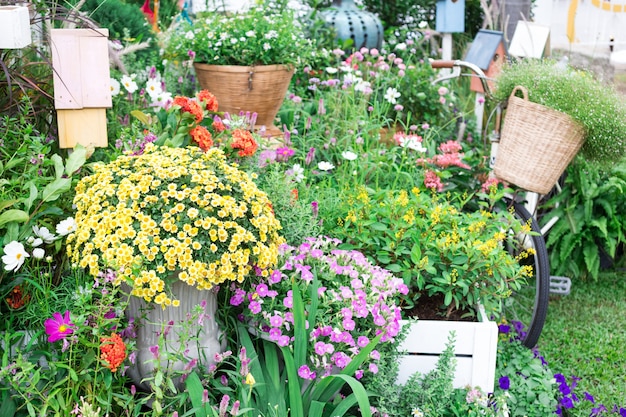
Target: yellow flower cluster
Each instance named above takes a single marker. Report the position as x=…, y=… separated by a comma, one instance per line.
x=173, y=212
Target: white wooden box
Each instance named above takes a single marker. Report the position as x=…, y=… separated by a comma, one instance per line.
x=476, y=347
x=14, y=27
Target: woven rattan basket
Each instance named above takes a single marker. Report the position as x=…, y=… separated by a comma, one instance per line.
x=536, y=145
x=259, y=89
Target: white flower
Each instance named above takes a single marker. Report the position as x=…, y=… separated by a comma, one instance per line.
x=416, y=412
x=391, y=95
x=423, y=24
x=401, y=46
x=412, y=142
x=66, y=226
x=189, y=35
x=325, y=166
x=272, y=34
x=34, y=242
x=44, y=234
x=267, y=46
x=129, y=83
x=331, y=70
x=14, y=256
x=39, y=253
x=153, y=87
x=250, y=34
x=162, y=100
x=364, y=87
x=298, y=172
x=349, y=155
x=115, y=87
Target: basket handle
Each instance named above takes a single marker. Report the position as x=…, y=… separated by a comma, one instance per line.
x=521, y=88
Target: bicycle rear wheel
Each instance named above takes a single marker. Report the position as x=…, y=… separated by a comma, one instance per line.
x=527, y=308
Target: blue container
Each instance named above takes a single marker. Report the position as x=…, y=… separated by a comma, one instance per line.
x=363, y=27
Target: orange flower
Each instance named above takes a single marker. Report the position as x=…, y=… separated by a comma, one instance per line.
x=219, y=126
x=189, y=106
x=243, y=140
x=209, y=100
x=113, y=351
x=202, y=136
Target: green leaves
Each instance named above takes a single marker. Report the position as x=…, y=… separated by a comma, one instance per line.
x=591, y=219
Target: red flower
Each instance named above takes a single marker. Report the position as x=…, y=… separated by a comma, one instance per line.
x=208, y=99
x=189, y=106
x=243, y=140
x=202, y=137
x=113, y=351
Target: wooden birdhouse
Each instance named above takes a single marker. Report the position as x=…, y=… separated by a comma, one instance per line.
x=14, y=27
x=488, y=52
x=450, y=17
x=82, y=85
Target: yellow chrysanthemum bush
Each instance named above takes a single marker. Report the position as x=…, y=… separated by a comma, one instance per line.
x=173, y=213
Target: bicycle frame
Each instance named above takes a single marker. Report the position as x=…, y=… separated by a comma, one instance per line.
x=530, y=200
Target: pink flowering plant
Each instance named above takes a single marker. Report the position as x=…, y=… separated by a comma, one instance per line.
x=354, y=302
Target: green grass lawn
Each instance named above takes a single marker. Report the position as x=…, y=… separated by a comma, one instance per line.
x=585, y=335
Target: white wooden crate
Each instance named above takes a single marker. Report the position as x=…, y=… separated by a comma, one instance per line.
x=476, y=345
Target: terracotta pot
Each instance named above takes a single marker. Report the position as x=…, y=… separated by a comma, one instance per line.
x=260, y=89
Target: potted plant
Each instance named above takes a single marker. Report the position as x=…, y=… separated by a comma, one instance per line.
x=174, y=223
x=564, y=110
x=246, y=59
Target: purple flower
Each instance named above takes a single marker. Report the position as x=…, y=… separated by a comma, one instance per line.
x=288, y=301
x=275, y=333
x=340, y=360
x=566, y=402
x=261, y=290
x=589, y=398
x=362, y=341
x=348, y=324
x=283, y=154
x=504, y=382
x=275, y=277
x=305, y=373
x=255, y=307
x=283, y=340
x=310, y=156
x=155, y=351
x=320, y=348
x=58, y=327
x=504, y=328
x=276, y=321
x=238, y=298
x=373, y=368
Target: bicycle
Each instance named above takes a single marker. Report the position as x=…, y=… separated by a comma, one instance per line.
x=529, y=305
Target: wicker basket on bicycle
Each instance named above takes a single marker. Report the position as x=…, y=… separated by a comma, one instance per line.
x=536, y=145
